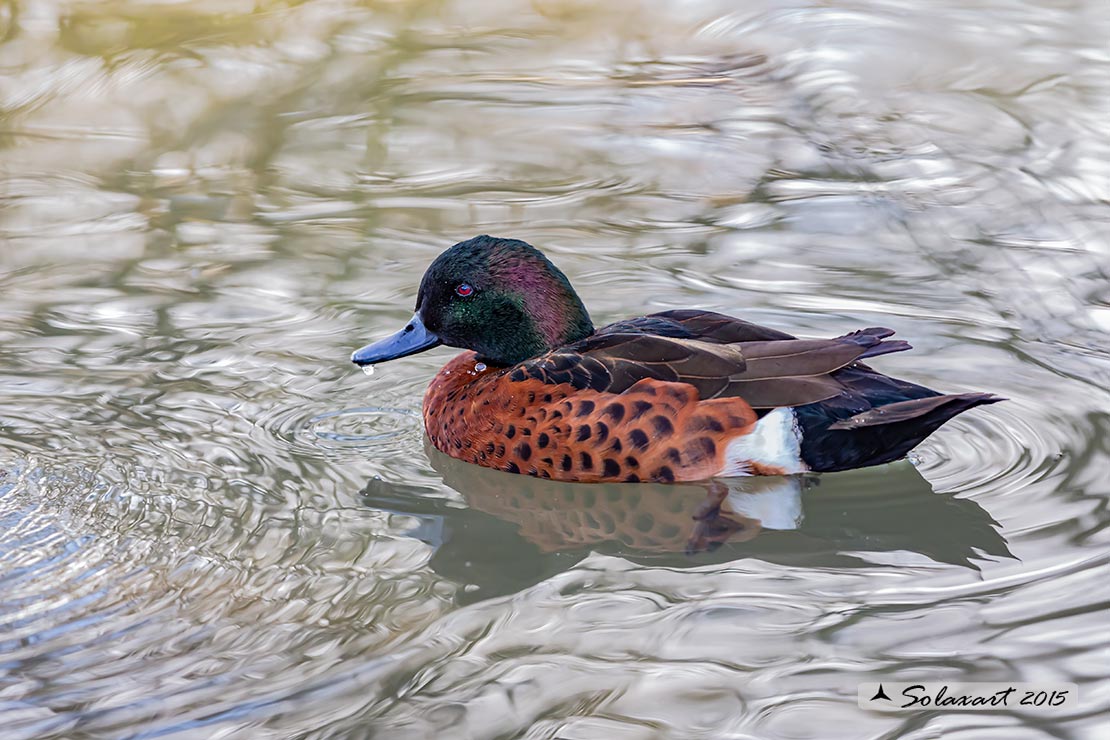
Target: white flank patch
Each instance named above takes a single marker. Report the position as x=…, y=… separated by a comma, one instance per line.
x=776, y=440
x=776, y=503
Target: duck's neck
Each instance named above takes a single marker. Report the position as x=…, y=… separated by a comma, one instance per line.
x=557, y=315
x=523, y=326
x=553, y=320
x=532, y=309
x=560, y=322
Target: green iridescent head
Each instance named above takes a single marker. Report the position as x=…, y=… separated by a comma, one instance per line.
x=501, y=298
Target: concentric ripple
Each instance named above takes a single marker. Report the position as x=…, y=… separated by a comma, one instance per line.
x=363, y=428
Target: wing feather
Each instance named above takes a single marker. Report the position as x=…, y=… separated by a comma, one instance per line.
x=720, y=356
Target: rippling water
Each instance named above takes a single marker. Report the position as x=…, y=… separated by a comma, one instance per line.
x=212, y=525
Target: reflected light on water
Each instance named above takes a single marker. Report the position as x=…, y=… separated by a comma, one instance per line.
x=212, y=525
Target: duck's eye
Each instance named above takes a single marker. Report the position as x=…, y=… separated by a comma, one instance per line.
x=464, y=289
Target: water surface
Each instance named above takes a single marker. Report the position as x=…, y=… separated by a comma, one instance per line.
x=211, y=524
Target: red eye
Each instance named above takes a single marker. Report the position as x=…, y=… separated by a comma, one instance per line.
x=464, y=289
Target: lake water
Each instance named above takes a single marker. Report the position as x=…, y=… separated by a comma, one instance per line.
x=212, y=525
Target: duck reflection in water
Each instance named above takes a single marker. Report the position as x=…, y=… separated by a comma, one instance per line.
x=644, y=518
x=517, y=530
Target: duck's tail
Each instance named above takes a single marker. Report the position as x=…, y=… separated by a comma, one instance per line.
x=885, y=433
x=934, y=410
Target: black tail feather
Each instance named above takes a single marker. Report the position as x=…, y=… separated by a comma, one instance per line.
x=833, y=440
x=918, y=410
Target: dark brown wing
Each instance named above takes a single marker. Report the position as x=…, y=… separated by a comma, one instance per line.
x=706, y=326
x=716, y=327
x=766, y=374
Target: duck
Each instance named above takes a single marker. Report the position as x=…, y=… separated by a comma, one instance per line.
x=676, y=396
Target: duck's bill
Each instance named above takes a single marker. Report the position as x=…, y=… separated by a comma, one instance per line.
x=414, y=338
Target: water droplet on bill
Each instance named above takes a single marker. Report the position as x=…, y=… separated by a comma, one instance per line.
x=367, y=370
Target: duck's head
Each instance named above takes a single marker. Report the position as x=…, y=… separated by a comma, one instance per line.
x=501, y=298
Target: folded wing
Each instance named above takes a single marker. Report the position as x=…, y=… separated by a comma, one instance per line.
x=766, y=368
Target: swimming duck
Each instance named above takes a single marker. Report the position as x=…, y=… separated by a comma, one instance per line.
x=680, y=395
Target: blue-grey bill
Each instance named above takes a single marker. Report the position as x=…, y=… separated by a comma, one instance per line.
x=414, y=338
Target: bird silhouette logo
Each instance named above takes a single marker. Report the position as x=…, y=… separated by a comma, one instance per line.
x=880, y=694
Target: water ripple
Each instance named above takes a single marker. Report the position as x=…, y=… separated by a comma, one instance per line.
x=212, y=525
